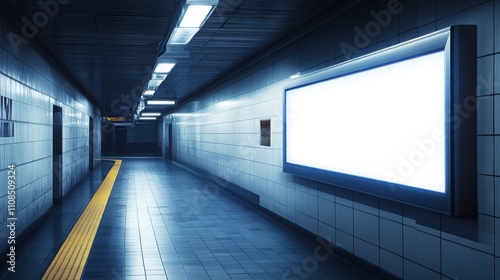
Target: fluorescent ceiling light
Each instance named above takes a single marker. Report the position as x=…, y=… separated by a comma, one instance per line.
x=182, y=36
x=151, y=114
x=195, y=15
x=161, y=102
x=149, y=92
x=154, y=83
x=159, y=76
x=164, y=67
x=147, y=118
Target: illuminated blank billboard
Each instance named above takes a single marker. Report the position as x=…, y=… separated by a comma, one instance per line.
x=389, y=123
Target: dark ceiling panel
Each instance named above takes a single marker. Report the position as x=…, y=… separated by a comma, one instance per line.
x=134, y=8
x=152, y=26
x=73, y=7
x=68, y=42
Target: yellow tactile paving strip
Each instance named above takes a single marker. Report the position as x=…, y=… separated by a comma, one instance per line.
x=70, y=261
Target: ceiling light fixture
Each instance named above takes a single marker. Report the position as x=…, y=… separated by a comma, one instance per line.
x=159, y=76
x=164, y=67
x=149, y=93
x=161, y=102
x=150, y=114
x=195, y=15
x=154, y=83
x=182, y=36
x=147, y=118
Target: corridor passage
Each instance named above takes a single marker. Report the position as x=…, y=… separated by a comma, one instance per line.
x=165, y=222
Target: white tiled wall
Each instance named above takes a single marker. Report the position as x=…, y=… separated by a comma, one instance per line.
x=219, y=132
x=35, y=84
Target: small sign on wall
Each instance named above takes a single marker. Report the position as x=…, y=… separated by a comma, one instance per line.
x=6, y=124
x=265, y=133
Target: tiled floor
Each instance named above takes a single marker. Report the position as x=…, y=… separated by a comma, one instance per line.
x=35, y=254
x=163, y=222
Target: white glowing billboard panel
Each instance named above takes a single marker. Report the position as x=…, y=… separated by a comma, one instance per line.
x=390, y=123
x=386, y=123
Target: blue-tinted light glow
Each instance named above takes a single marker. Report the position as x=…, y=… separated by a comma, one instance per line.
x=161, y=102
x=150, y=114
x=182, y=36
x=387, y=123
x=195, y=15
x=149, y=93
x=164, y=67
